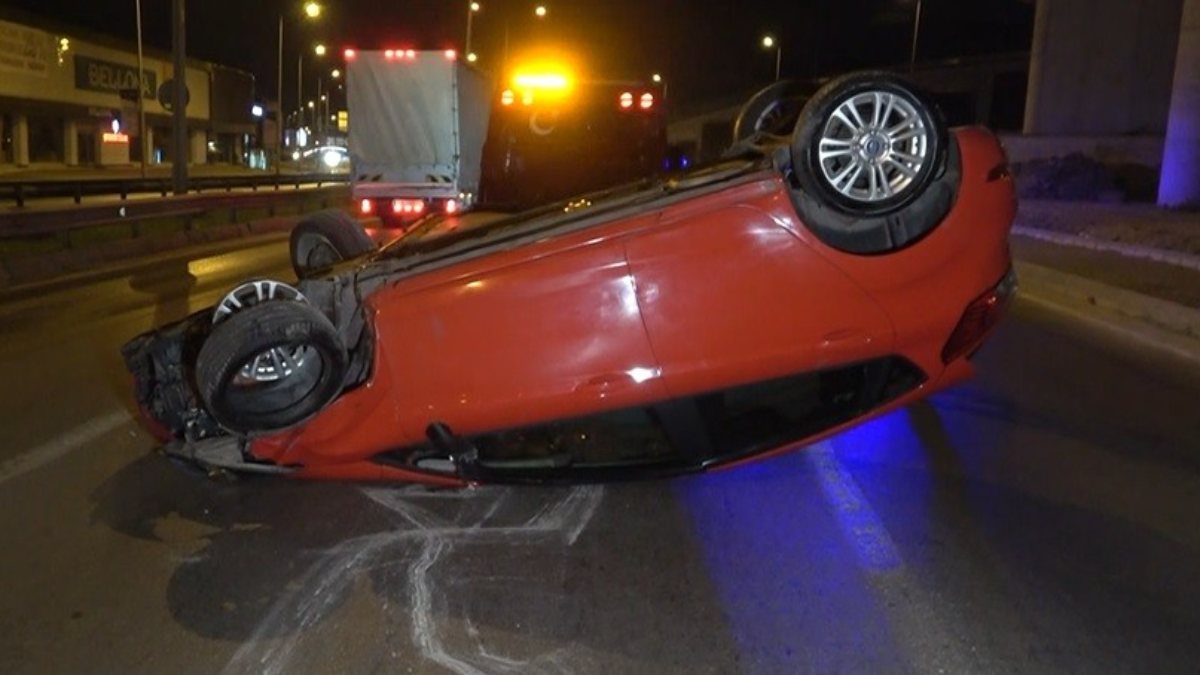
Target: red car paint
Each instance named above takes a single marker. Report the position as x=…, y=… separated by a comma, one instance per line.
x=725, y=288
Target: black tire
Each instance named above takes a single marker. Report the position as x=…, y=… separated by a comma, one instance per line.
x=324, y=239
x=245, y=406
x=772, y=110
x=883, y=224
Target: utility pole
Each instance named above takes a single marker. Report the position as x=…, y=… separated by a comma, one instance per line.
x=142, y=131
x=179, y=137
x=916, y=34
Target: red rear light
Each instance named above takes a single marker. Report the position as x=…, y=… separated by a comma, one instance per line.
x=410, y=206
x=451, y=55
x=451, y=206
x=626, y=100
x=980, y=317
x=350, y=54
x=410, y=53
x=365, y=206
x=389, y=54
x=647, y=101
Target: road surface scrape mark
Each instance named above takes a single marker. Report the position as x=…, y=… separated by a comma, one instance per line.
x=423, y=538
x=62, y=445
x=857, y=520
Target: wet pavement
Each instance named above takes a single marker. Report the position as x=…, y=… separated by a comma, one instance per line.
x=1040, y=518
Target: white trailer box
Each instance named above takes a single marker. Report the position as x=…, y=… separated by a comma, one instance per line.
x=417, y=124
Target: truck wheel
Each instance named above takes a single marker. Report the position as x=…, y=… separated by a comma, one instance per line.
x=874, y=163
x=772, y=110
x=270, y=366
x=324, y=239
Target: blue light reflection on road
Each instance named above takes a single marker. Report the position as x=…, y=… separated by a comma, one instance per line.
x=791, y=544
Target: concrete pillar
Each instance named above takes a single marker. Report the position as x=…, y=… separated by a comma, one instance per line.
x=20, y=140
x=1180, y=182
x=1101, y=67
x=70, y=143
x=199, y=146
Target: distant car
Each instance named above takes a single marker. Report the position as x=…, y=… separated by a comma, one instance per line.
x=741, y=309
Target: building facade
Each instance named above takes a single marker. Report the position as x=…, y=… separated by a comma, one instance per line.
x=72, y=100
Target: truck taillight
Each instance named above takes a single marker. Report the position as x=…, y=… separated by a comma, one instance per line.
x=626, y=100
x=451, y=55
x=350, y=54
x=410, y=54
x=408, y=206
x=647, y=101
x=365, y=206
x=451, y=206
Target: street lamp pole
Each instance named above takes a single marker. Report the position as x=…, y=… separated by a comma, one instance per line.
x=471, y=9
x=279, y=119
x=769, y=42
x=179, y=139
x=142, y=135
x=916, y=33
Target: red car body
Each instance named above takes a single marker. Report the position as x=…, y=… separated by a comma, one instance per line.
x=716, y=288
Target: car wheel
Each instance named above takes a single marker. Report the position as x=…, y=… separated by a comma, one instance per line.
x=772, y=110
x=270, y=365
x=872, y=158
x=325, y=238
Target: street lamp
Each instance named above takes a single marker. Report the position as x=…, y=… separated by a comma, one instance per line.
x=312, y=10
x=540, y=11
x=769, y=42
x=471, y=57
x=319, y=50
x=335, y=74
x=656, y=78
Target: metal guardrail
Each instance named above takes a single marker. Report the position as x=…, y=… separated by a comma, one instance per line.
x=63, y=219
x=19, y=192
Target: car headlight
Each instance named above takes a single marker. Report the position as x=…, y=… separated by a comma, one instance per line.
x=332, y=159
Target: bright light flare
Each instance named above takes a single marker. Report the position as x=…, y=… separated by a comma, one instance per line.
x=312, y=10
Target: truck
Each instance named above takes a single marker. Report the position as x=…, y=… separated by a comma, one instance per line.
x=547, y=119
x=418, y=120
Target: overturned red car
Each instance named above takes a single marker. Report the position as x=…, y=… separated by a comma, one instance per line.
x=805, y=283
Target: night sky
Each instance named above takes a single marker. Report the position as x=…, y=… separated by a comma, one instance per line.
x=705, y=49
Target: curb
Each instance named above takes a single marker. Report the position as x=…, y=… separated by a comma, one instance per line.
x=118, y=269
x=1177, y=258
x=1166, y=325
x=237, y=237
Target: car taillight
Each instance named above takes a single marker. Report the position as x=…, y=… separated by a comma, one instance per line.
x=980, y=317
x=350, y=54
x=365, y=206
x=451, y=206
x=647, y=101
x=626, y=100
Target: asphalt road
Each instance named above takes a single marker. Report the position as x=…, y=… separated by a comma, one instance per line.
x=1041, y=518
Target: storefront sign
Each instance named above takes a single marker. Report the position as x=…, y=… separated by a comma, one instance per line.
x=114, y=137
x=96, y=75
x=25, y=51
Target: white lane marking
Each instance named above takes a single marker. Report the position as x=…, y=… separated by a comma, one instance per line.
x=858, y=521
x=58, y=447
